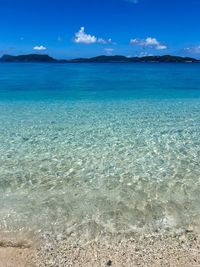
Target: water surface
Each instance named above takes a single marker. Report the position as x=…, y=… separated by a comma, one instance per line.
x=99, y=147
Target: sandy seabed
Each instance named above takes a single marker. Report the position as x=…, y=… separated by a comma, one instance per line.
x=180, y=249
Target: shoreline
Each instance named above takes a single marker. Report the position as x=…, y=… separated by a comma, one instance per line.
x=180, y=249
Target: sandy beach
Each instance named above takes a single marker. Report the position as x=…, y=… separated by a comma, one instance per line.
x=181, y=249
x=16, y=251
x=16, y=257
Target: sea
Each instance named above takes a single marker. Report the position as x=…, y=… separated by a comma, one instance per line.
x=99, y=149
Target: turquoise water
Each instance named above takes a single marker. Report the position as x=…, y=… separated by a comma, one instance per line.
x=108, y=148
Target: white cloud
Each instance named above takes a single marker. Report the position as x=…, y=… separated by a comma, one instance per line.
x=193, y=50
x=82, y=37
x=101, y=41
x=151, y=42
x=161, y=47
x=109, y=51
x=144, y=54
x=39, y=48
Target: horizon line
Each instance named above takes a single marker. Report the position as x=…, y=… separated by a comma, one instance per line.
x=100, y=55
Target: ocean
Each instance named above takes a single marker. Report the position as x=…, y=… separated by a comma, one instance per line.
x=99, y=149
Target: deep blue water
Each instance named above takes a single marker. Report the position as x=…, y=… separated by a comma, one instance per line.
x=116, y=146
x=98, y=81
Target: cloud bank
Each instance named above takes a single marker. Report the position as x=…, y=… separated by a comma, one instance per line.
x=193, y=49
x=149, y=42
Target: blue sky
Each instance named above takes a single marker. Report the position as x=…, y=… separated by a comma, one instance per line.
x=84, y=28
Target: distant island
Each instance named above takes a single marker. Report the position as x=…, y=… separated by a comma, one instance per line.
x=99, y=59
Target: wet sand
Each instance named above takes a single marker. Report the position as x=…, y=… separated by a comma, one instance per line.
x=16, y=251
x=16, y=257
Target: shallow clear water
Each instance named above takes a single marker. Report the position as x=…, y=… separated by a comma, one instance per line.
x=100, y=148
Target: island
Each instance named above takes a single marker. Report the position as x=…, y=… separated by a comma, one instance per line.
x=43, y=58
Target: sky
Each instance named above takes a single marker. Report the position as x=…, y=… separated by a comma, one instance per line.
x=86, y=28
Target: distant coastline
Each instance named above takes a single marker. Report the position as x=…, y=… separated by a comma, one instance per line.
x=43, y=58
